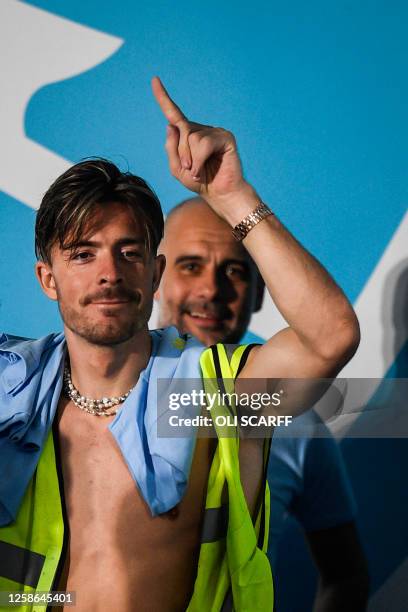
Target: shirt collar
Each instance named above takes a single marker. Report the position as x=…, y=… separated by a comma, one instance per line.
x=23, y=356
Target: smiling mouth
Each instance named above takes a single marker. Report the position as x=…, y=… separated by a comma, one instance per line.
x=203, y=315
x=205, y=319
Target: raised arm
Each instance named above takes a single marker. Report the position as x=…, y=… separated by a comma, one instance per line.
x=323, y=332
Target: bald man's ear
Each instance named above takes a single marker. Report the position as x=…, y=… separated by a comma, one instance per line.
x=45, y=277
x=159, y=265
x=260, y=290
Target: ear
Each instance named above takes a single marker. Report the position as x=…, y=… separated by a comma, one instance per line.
x=45, y=277
x=159, y=265
x=260, y=290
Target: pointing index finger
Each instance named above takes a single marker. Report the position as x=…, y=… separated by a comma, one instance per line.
x=170, y=109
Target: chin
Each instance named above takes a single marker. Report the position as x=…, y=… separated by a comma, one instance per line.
x=209, y=338
x=108, y=338
x=106, y=334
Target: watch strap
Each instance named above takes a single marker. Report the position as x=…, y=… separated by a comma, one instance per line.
x=260, y=212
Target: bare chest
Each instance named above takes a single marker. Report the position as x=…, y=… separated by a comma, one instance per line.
x=113, y=537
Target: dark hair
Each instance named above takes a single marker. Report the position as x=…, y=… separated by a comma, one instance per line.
x=69, y=205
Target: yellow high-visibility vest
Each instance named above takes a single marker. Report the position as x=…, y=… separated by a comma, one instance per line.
x=233, y=570
x=31, y=546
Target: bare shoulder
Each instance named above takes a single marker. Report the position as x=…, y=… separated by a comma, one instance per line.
x=286, y=355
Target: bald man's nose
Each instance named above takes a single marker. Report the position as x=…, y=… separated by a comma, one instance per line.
x=208, y=285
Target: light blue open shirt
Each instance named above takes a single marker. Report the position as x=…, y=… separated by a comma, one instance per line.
x=30, y=386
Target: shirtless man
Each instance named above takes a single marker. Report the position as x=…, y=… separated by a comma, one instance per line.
x=103, y=271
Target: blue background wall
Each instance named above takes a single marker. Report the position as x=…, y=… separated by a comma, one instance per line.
x=316, y=95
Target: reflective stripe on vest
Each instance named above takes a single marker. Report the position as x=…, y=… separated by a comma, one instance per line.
x=20, y=565
x=233, y=572
x=215, y=523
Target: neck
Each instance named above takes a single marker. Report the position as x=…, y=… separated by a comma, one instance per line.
x=107, y=371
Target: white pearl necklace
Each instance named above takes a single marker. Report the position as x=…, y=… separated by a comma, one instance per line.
x=99, y=407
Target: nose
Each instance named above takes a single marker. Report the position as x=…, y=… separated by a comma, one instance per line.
x=110, y=270
x=208, y=285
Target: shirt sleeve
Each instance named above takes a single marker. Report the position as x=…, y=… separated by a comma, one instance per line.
x=326, y=499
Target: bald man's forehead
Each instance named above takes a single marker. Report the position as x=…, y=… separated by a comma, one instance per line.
x=186, y=234
x=195, y=211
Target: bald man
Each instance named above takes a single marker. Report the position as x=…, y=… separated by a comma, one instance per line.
x=209, y=289
x=211, y=286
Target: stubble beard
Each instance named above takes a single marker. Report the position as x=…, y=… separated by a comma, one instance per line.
x=110, y=333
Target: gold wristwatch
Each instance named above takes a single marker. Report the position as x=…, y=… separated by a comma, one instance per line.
x=260, y=212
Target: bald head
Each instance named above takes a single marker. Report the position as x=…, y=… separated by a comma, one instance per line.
x=185, y=205
x=188, y=211
x=210, y=286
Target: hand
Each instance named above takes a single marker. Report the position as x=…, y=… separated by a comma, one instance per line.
x=203, y=158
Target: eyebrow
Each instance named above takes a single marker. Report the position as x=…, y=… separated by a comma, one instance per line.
x=96, y=244
x=226, y=262
x=182, y=258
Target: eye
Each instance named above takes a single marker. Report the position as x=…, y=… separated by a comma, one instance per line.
x=235, y=271
x=81, y=256
x=131, y=254
x=190, y=267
